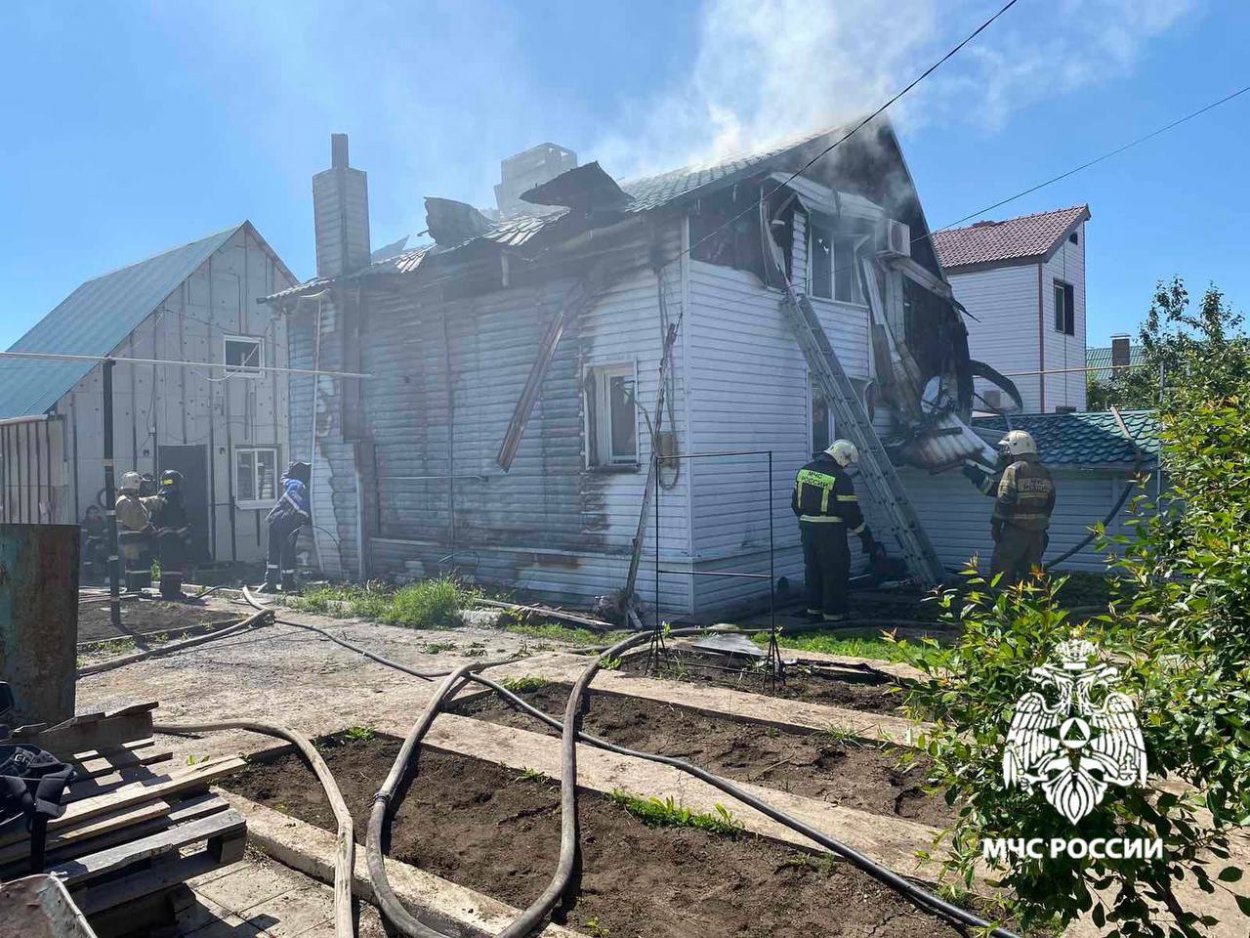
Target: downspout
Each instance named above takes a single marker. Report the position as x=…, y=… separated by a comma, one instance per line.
x=1041, y=343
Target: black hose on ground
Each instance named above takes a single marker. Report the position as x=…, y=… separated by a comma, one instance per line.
x=529, y=920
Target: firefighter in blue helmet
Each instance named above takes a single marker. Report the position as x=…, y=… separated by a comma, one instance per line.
x=828, y=509
x=285, y=520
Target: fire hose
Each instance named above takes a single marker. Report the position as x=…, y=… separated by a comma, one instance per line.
x=532, y=917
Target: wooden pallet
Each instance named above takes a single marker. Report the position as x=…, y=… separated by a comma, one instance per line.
x=135, y=825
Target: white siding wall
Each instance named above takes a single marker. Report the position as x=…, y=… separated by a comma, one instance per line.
x=1003, y=332
x=1065, y=388
x=163, y=405
x=957, y=516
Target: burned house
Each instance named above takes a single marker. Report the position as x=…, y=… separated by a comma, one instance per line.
x=520, y=373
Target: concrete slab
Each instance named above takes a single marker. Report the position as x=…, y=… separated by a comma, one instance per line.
x=249, y=885
x=293, y=913
x=441, y=904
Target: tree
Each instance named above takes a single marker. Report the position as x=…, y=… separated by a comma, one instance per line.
x=1177, y=344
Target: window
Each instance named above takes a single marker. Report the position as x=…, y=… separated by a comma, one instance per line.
x=1065, y=308
x=243, y=355
x=834, y=274
x=613, y=427
x=822, y=422
x=255, y=476
x=1073, y=238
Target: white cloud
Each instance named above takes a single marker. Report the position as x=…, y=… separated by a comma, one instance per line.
x=765, y=70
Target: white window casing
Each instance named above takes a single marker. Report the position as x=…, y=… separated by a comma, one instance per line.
x=243, y=355
x=612, y=415
x=256, y=476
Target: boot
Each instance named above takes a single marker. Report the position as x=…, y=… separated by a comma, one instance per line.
x=271, y=579
x=171, y=586
x=289, y=585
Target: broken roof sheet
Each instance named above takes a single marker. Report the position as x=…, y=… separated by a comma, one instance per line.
x=1091, y=439
x=1016, y=239
x=94, y=320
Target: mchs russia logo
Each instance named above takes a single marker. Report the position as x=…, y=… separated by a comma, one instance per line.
x=1072, y=738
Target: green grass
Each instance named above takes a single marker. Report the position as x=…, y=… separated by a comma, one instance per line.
x=429, y=604
x=525, y=684
x=532, y=775
x=656, y=812
x=553, y=632
x=359, y=733
x=833, y=643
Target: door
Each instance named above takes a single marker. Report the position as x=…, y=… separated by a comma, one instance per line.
x=192, y=462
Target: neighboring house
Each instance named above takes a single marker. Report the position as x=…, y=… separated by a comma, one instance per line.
x=225, y=430
x=1093, y=464
x=508, y=417
x=1022, y=282
x=1105, y=361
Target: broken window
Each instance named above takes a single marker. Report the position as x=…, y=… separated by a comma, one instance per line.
x=725, y=230
x=612, y=417
x=1065, y=308
x=833, y=260
x=255, y=476
x=243, y=355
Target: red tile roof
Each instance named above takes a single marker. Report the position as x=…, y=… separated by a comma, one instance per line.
x=1015, y=239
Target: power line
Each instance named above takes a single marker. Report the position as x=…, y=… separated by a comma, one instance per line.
x=1098, y=159
x=259, y=369
x=875, y=114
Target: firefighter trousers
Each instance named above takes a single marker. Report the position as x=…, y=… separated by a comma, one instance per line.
x=283, y=534
x=1017, y=551
x=173, y=563
x=827, y=564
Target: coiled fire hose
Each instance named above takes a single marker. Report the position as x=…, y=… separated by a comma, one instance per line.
x=529, y=920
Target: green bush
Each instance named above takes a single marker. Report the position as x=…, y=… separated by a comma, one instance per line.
x=430, y=604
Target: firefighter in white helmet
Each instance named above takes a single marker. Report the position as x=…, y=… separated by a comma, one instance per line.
x=1022, y=508
x=828, y=509
x=135, y=534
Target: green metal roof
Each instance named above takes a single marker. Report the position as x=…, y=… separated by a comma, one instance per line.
x=1086, y=439
x=1100, y=357
x=94, y=320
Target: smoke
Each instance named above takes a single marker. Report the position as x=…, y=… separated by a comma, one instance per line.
x=768, y=70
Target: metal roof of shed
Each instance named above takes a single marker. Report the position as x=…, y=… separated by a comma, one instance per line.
x=1086, y=439
x=94, y=320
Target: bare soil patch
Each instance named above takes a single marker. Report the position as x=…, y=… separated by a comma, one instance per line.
x=484, y=827
x=838, y=770
x=147, y=617
x=854, y=689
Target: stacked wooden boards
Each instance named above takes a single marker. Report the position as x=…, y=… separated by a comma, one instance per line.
x=135, y=824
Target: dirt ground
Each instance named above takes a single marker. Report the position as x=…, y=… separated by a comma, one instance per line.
x=147, y=617
x=815, y=765
x=870, y=692
x=484, y=827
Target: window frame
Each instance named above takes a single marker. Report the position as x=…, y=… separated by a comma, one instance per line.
x=246, y=371
x=1065, y=311
x=252, y=504
x=599, y=451
x=828, y=229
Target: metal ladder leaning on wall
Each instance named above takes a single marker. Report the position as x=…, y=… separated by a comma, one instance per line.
x=853, y=423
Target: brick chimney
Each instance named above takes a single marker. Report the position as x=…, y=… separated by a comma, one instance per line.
x=340, y=214
x=1120, y=353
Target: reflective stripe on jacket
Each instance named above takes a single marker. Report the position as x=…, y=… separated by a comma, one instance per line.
x=1026, y=495
x=824, y=494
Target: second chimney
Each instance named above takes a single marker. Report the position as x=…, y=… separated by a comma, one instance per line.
x=1120, y=351
x=340, y=214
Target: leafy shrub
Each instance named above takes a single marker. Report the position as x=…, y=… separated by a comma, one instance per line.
x=430, y=604
x=666, y=812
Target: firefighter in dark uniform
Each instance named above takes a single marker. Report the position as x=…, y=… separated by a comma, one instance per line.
x=1022, y=509
x=172, y=534
x=285, y=520
x=134, y=532
x=828, y=509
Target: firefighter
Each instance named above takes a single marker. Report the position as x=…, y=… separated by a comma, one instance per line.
x=1022, y=510
x=285, y=520
x=172, y=534
x=135, y=532
x=828, y=509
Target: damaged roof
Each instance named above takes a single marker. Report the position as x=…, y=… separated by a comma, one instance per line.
x=1029, y=237
x=646, y=193
x=1088, y=440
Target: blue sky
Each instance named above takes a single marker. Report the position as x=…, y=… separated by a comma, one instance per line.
x=133, y=127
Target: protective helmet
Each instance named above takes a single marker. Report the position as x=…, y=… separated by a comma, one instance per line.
x=147, y=484
x=1017, y=443
x=844, y=452
x=171, y=480
x=131, y=483
x=300, y=471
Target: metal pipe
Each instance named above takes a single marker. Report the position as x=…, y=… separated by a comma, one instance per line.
x=110, y=498
x=220, y=366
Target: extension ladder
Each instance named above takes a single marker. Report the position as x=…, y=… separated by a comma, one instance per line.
x=853, y=423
